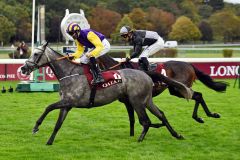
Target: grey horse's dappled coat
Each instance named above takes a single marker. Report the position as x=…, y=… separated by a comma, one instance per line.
x=135, y=91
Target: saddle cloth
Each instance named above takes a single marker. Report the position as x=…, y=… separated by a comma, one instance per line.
x=111, y=78
x=158, y=68
x=155, y=67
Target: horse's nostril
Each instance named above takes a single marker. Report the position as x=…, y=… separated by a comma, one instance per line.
x=23, y=69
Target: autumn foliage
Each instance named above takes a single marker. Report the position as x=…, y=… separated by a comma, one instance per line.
x=181, y=20
x=104, y=20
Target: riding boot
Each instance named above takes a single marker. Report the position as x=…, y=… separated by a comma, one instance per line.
x=97, y=76
x=143, y=63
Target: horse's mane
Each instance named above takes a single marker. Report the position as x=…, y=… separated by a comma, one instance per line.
x=108, y=58
x=56, y=51
x=105, y=61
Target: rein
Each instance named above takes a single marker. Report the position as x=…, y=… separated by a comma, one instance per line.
x=117, y=65
x=35, y=63
x=60, y=58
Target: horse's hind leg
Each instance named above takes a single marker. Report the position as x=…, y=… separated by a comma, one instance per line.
x=131, y=117
x=130, y=111
x=158, y=113
x=62, y=115
x=197, y=96
x=143, y=120
x=195, y=115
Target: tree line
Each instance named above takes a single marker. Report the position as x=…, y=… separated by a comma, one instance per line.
x=181, y=20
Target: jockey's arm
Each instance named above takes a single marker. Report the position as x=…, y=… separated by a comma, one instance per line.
x=137, y=48
x=96, y=41
x=79, y=51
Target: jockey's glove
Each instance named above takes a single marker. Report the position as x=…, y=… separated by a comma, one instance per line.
x=71, y=57
x=128, y=59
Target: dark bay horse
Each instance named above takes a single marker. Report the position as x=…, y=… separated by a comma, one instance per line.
x=135, y=91
x=180, y=71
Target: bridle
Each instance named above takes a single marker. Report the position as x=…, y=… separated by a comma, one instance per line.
x=35, y=62
x=37, y=59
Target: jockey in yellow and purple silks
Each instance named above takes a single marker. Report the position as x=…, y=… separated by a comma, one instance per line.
x=93, y=40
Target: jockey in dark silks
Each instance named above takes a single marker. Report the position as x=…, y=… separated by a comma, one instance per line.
x=95, y=41
x=140, y=38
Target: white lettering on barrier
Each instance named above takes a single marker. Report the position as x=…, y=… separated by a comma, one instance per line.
x=2, y=76
x=49, y=72
x=22, y=76
x=10, y=75
x=224, y=71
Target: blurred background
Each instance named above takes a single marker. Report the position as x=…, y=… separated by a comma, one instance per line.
x=211, y=25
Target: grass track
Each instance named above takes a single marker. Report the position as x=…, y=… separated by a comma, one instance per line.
x=103, y=133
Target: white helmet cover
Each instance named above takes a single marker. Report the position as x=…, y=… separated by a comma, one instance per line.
x=125, y=30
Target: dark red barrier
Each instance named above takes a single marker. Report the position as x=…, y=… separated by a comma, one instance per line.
x=219, y=69
x=214, y=69
x=13, y=72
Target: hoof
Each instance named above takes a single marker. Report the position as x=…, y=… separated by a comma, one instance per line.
x=35, y=130
x=48, y=143
x=180, y=137
x=140, y=139
x=215, y=115
x=199, y=120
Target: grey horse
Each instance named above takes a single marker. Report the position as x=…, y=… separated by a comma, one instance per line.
x=135, y=91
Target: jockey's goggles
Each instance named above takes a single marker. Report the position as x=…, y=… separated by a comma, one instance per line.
x=71, y=33
x=124, y=35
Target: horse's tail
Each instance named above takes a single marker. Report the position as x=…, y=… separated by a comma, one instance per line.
x=180, y=87
x=208, y=81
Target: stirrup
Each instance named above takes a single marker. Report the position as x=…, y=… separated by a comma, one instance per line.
x=98, y=80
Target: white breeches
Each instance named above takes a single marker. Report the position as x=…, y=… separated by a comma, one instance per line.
x=155, y=47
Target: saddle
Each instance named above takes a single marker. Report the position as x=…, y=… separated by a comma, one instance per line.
x=111, y=78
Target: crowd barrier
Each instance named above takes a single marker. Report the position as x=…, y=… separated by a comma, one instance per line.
x=220, y=68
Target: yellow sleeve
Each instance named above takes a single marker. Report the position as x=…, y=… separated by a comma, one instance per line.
x=95, y=40
x=79, y=51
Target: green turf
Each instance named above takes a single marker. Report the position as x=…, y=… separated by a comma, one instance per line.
x=103, y=133
x=204, y=55
x=4, y=54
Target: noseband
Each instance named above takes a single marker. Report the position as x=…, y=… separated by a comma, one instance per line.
x=35, y=62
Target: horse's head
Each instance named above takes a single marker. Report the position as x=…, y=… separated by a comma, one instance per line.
x=36, y=60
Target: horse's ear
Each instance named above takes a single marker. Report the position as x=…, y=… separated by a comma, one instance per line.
x=45, y=43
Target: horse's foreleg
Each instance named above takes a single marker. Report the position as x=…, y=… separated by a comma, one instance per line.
x=51, y=107
x=62, y=115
